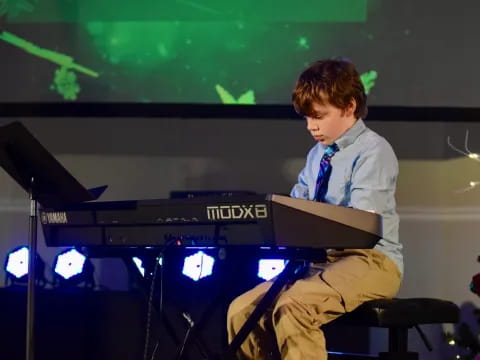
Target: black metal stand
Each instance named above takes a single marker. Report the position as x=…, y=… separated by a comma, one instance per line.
x=32, y=256
x=48, y=183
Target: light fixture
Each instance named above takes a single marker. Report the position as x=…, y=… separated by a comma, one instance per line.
x=198, y=266
x=16, y=267
x=72, y=268
x=269, y=268
x=139, y=264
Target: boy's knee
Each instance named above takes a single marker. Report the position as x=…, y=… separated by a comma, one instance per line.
x=285, y=305
x=238, y=306
x=287, y=298
x=233, y=308
x=280, y=311
x=246, y=302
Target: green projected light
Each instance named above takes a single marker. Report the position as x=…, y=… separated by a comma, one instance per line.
x=247, y=98
x=303, y=43
x=182, y=51
x=12, y=8
x=200, y=10
x=140, y=45
x=65, y=83
x=55, y=57
x=368, y=80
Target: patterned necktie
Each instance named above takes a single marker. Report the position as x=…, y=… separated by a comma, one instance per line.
x=324, y=172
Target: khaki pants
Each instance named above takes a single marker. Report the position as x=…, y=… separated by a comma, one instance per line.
x=350, y=278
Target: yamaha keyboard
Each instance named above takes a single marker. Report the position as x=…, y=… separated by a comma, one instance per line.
x=266, y=221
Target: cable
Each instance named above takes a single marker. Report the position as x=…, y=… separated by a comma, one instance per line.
x=149, y=309
x=190, y=323
x=150, y=300
x=160, y=310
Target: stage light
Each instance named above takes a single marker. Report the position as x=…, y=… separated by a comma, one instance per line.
x=72, y=268
x=17, y=263
x=69, y=263
x=198, y=266
x=16, y=267
x=269, y=268
x=140, y=264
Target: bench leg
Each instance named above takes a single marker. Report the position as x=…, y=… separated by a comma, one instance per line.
x=398, y=345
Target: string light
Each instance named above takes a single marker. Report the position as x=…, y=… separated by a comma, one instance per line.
x=470, y=155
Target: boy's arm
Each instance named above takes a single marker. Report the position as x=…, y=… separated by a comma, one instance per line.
x=300, y=189
x=374, y=180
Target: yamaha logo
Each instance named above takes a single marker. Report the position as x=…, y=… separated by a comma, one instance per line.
x=237, y=212
x=54, y=217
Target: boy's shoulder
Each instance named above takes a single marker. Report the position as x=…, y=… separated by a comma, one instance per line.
x=374, y=146
x=372, y=140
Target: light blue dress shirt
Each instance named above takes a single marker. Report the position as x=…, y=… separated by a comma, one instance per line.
x=364, y=175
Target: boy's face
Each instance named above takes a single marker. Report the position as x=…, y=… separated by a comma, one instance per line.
x=330, y=122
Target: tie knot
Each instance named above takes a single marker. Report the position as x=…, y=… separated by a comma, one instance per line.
x=331, y=150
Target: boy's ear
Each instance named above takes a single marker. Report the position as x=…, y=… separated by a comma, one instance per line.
x=350, y=109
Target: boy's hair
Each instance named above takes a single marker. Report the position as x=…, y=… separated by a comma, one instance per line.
x=329, y=81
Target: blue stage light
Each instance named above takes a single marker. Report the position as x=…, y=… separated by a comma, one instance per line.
x=16, y=268
x=69, y=263
x=269, y=268
x=198, y=266
x=17, y=263
x=72, y=268
x=139, y=265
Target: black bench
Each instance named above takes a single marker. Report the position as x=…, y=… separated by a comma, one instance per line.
x=398, y=315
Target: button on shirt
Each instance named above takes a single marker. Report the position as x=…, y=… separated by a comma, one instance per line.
x=364, y=175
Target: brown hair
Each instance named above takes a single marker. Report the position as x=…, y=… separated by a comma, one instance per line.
x=333, y=81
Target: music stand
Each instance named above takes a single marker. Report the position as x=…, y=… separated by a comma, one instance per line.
x=47, y=182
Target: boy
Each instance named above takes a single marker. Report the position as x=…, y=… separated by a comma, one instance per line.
x=352, y=166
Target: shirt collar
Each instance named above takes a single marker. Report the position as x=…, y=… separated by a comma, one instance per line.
x=351, y=134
